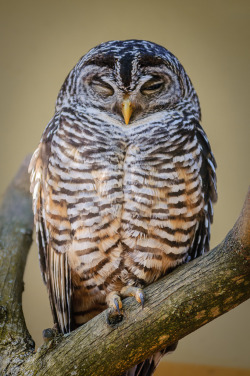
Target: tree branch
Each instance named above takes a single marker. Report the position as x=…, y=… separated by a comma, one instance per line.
x=16, y=224
x=191, y=296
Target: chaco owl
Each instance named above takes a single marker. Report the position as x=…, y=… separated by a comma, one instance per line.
x=123, y=182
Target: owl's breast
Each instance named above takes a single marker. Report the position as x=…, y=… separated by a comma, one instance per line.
x=132, y=200
x=86, y=177
x=163, y=201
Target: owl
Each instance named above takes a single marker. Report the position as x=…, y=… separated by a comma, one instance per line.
x=123, y=182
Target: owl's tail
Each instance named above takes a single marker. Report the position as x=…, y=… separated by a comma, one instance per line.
x=148, y=366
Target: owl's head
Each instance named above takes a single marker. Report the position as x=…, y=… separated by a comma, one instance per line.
x=128, y=80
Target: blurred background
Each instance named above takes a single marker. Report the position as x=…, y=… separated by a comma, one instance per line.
x=42, y=40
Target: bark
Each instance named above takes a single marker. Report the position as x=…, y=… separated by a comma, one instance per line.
x=16, y=225
x=191, y=296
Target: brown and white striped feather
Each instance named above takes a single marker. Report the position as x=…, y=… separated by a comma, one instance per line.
x=113, y=208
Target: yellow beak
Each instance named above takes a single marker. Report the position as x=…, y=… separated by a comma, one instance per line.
x=127, y=109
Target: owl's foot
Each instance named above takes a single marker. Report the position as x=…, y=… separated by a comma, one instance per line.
x=114, y=314
x=114, y=301
x=50, y=335
x=136, y=292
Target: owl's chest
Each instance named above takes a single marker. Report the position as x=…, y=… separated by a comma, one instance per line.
x=162, y=190
x=155, y=169
x=137, y=173
x=132, y=192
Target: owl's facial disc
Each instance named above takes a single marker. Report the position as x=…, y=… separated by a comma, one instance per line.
x=152, y=89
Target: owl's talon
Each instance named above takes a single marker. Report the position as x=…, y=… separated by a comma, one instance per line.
x=136, y=292
x=114, y=302
x=142, y=299
x=117, y=306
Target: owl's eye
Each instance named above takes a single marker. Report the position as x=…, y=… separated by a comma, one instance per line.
x=102, y=87
x=152, y=86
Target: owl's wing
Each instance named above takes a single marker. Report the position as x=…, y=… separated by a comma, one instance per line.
x=209, y=187
x=53, y=257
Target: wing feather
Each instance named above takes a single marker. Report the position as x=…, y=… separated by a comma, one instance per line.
x=53, y=262
x=207, y=172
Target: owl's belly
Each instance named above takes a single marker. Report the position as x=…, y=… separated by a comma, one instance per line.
x=148, y=232
x=163, y=205
x=151, y=232
x=137, y=220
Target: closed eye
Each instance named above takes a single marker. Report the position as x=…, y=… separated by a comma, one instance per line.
x=152, y=86
x=102, y=87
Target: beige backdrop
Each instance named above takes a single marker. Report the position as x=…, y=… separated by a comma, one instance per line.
x=40, y=43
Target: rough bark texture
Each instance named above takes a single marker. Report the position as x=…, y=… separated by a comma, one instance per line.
x=16, y=225
x=175, y=306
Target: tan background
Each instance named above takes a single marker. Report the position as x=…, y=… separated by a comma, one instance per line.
x=40, y=43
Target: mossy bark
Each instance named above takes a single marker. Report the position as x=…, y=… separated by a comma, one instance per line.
x=175, y=306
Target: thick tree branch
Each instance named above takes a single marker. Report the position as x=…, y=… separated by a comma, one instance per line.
x=175, y=306
x=16, y=224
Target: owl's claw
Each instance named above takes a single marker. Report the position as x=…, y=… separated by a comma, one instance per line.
x=117, y=306
x=135, y=292
x=142, y=299
x=114, y=314
x=114, y=302
x=114, y=298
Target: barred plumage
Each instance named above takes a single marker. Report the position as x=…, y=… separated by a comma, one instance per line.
x=120, y=204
